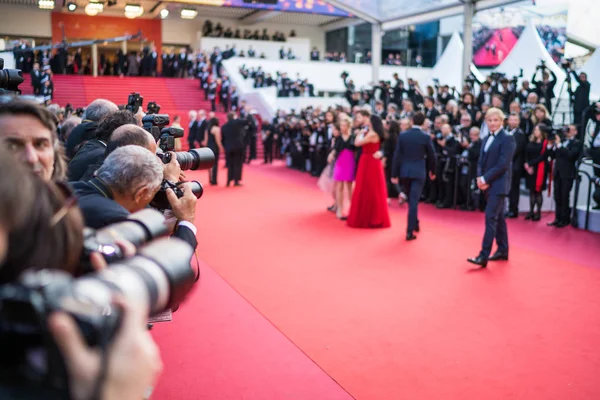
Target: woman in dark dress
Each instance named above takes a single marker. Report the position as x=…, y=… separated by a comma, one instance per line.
x=536, y=166
x=213, y=142
x=389, y=146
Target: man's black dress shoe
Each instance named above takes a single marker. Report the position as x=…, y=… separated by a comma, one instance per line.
x=478, y=261
x=410, y=236
x=553, y=223
x=511, y=215
x=562, y=224
x=498, y=257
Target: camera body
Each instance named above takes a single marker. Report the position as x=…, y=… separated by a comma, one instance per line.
x=134, y=102
x=157, y=278
x=153, y=108
x=10, y=79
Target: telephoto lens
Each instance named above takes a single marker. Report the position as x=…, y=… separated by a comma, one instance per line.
x=140, y=228
x=202, y=158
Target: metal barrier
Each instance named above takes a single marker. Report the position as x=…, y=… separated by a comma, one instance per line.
x=580, y=175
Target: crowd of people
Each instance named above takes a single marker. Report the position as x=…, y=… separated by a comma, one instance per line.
x=209, y=29
x=455, y=122
x=286, y=87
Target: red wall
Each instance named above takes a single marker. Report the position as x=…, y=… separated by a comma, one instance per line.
x=84, y=27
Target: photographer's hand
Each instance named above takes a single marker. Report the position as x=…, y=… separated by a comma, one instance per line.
x=172, y=170
x=133, y=359
x=184, y=208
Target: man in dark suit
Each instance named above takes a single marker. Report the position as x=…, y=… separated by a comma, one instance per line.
x=193, y=129
x=565, y=155
x=232, y=136
x=202, y=126
x=493, y=171
x=414, y=156
x=518, y=161
x=126, y=183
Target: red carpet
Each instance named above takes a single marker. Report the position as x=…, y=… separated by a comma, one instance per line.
x=484, y=58
x=384, y=318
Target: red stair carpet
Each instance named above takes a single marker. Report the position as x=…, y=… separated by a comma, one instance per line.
x=384, y=318
x=484, y=58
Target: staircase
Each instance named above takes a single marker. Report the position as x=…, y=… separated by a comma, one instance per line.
x=175, y=96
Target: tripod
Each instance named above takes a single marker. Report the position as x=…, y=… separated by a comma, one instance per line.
x=567, y=83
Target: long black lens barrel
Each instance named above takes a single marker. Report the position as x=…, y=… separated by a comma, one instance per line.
x=202, y=159
x=10, y=79
x=139, y=228
x=197, y=189
x=173, y=256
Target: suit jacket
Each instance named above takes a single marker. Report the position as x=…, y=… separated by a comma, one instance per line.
x=193, y=134
x=99, y=209
x=201, y=131
x=414, y=155
x=518, y=161
x=565, y=158
x=495, y=163
x=232, y=135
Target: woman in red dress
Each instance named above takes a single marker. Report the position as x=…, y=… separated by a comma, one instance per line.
x=369, y=207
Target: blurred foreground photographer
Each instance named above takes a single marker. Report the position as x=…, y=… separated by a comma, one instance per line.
x=74, y=339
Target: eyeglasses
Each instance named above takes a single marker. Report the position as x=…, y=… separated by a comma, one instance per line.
x=70, y=201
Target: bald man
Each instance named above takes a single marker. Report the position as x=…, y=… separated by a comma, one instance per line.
x=123, y=136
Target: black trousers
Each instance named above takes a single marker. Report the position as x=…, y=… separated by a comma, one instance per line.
x=268, y=150
x=413, y=188
x=235, y=161
x=562, y=194
x=515, y=192
x=212, y=173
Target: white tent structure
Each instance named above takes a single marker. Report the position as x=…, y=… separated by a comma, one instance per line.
x=449, y=68
x=527, y=54
x=592, y=69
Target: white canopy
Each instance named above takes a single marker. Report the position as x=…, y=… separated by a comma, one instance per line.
x=448, y=69
x=592, y=69
x=527, y=54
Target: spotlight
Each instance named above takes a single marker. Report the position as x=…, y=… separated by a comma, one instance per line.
x=164, y=13
x=188, y=13
x=71, y=6
x=94, y=8
x=133, y=11
x=46, y=4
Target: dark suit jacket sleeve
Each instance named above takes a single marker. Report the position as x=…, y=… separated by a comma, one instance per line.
x=507, y=150
x=431, y=159
x=480, y=160
x=571, y=153
x=396, y=160
x=184, y=233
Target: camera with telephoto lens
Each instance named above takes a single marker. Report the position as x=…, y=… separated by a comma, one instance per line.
x=157, y=278
x=542, y=65
x=134, y=102
x=194, y=159
x=566, y=63
x=138, y=229
x=10, y=79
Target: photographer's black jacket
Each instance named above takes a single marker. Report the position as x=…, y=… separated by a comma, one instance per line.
x=99, y=209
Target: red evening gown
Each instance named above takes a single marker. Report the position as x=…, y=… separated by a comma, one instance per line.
x=369, y=208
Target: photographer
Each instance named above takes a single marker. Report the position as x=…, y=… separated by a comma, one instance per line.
x=132, y=362
x=581, y=97
x=565, y=154
x=592, y=137
x=94, y=113
x=518, y=161
x=28, y=131
x=93, y=151
x=450, y=148
x=545, y=88
x=127, y=182
x=124, y=136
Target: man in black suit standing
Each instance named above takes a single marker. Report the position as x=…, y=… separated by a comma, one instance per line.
x=193, y=131
x=414, y=156
x=232, y=134
x=493, y=171
x=565, y=153
x=518, y=161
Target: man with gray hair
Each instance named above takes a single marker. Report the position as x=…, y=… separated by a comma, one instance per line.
x=127, y=182
x=94, y=113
